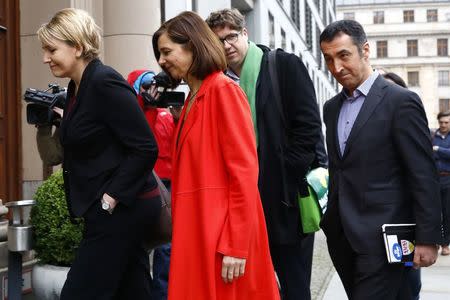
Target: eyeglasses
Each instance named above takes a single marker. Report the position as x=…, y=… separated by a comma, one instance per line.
x=231, y=38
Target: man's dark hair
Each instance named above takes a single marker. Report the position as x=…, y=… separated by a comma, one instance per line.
x=348, y=27
x=442, y=114
x=395, y=78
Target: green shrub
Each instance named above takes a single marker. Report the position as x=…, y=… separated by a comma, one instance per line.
x=56, y=237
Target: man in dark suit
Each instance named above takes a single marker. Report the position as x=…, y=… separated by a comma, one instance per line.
x=381, y=169
x=285, y=153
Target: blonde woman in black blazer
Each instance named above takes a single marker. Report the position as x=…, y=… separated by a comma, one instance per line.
x=109, y=152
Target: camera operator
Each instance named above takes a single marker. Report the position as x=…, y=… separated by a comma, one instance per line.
x=45, y=109
x=49, y=146
x=163, y=127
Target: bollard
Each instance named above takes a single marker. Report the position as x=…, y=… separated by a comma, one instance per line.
x=19, y=239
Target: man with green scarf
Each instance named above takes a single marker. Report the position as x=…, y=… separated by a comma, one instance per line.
x=285, y=152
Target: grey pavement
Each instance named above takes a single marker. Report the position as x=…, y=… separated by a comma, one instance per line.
x=326, y=285
x=435, y=282
x=322, y=268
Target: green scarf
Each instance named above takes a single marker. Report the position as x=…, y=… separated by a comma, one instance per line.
x=249, y=76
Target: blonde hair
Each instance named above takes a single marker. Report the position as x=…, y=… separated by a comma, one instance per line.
x=74, y=27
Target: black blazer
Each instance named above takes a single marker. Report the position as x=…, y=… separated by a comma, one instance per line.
x=108, y=145
x=386, y=173
x=285, y=156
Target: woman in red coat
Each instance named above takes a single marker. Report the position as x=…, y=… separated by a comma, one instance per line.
x=219, y=247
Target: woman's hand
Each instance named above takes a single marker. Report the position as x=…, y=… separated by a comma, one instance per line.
x=232, y=268
x=112, y=202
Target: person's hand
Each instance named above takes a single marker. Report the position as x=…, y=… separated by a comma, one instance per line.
x=153, y=91
x=112, y=202
x=435, y=148
x=150, y=96
x=425, y=255
x=232, y=268
x=59, y=111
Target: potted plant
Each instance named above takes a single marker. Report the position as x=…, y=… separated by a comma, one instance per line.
x=56, y=238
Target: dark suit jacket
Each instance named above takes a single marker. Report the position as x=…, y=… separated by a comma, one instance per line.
x=386, y=173
x=285, y=156
x=108, y=145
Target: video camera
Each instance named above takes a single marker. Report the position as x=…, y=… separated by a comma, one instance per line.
x=166, y=98
x=41, y=103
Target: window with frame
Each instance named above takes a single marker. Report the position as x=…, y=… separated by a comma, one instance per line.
x=411, y=46
x=378, y=17
x=349, y=16
x=318, y=52
x=444, y=104
x=292, y=47
x=444, y=78
x=413, y=78
x=295, y=13
x=432, y=15
x=283, y=39
x=308, y=25
x=408, y=16
x=442, y=47
x=382, y=49
x=317, y=3
x=271, y=31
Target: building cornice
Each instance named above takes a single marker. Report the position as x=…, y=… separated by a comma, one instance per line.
x=416, y=61
x=401, y=4
x=407, y=34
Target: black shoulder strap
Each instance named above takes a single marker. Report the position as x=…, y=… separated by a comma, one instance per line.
x=275, y=85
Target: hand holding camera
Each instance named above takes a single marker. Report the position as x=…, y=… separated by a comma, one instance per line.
x=156, y=92
x=45, y=107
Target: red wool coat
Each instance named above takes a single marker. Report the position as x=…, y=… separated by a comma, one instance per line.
x=216, y=206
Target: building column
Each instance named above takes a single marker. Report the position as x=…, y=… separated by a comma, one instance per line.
x=128, y=27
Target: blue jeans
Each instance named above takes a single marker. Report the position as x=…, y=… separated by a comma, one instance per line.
x=161, y=261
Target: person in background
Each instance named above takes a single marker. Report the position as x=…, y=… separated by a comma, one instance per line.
x=286, y=150
x=48, y=144
x=394, y=78
x=162, y=125
x=48, y=141
x=441, y=150
x=109, y=152
x=381, y=170
x=413, y=282
x=160, y=121
x=219, y=244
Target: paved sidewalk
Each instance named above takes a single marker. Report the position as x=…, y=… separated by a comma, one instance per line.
x=435, y=283
x=322, y=268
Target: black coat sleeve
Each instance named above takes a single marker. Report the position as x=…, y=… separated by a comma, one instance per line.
x=412, y=139
x=123, y=116
x=303, y=118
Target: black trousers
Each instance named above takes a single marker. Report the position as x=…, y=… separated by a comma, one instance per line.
x=445, y=202
x=368, y=277
x=293, y=263
x=111, y=262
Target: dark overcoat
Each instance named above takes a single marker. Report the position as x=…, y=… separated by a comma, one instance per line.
x=285, y=155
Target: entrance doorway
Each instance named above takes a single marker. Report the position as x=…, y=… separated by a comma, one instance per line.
x=10, y=136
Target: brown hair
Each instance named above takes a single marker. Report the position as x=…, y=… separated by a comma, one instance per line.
x=189, y=29
x=230, y=17
x=76, y=28
x=442, y=114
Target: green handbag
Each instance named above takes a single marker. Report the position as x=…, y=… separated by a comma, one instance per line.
x=313, y=205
